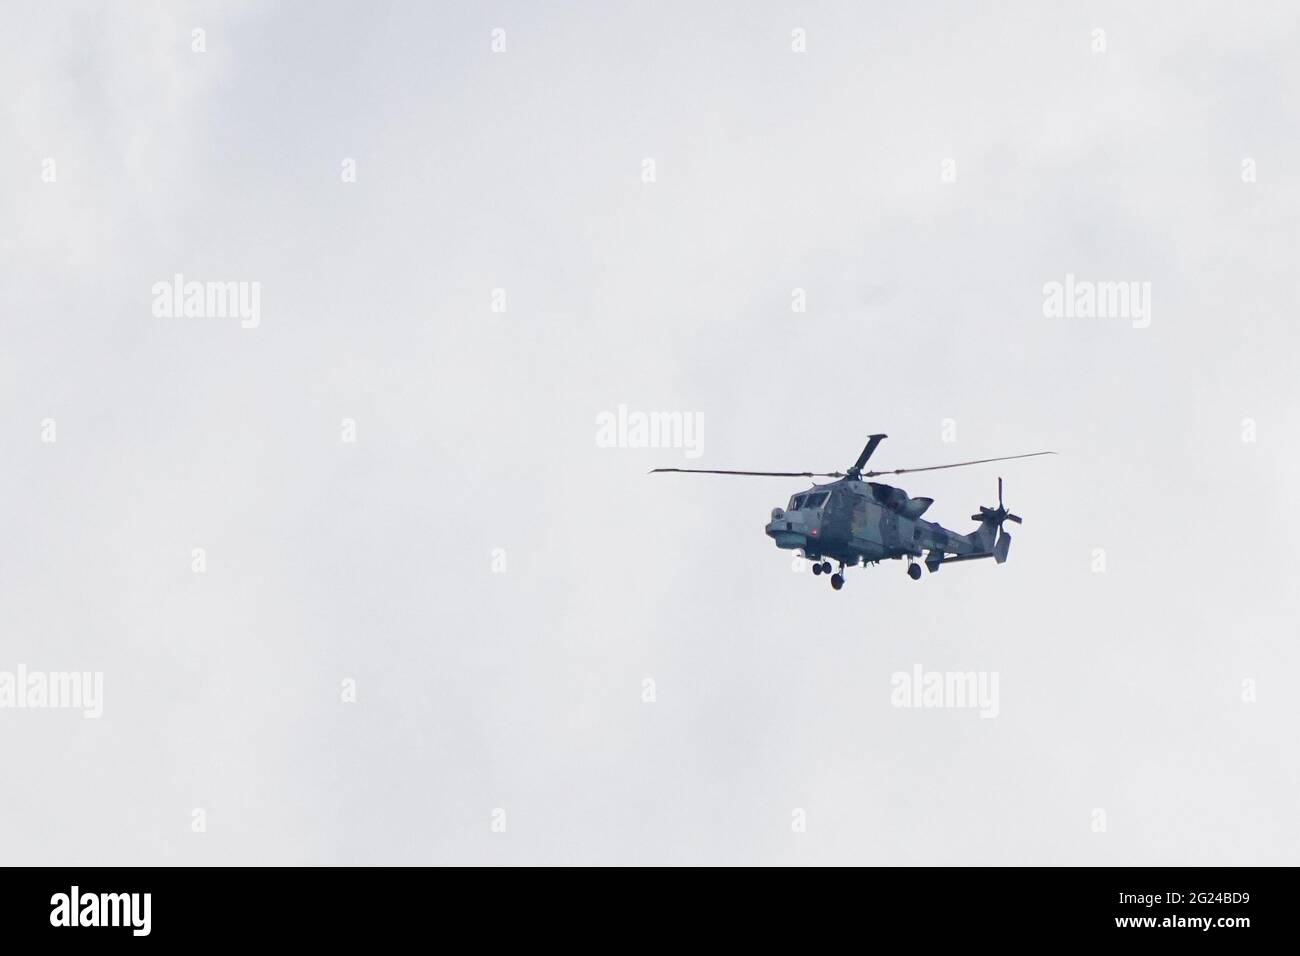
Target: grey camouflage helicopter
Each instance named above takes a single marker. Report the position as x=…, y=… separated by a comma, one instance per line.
x=853, y=521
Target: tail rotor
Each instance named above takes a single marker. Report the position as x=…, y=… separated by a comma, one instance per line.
x=994, y=518
x=997, y=515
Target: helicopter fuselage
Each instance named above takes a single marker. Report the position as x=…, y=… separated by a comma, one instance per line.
x=853, y=521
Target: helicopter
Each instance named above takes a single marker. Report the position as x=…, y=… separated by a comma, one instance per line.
x=853, y=521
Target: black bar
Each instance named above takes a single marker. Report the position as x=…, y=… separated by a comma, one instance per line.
x=334, y=906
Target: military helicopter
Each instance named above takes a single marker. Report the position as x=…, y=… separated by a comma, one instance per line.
x=853, y=521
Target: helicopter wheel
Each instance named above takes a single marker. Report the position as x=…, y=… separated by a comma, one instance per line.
x=826, y=567
x=817, y=569
x=837, y=581
x=914, y=572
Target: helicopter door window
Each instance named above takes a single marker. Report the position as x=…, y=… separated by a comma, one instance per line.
x=817, y=500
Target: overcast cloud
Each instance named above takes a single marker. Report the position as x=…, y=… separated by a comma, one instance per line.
x=498, y=586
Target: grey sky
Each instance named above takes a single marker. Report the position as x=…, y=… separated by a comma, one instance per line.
x=522, y=690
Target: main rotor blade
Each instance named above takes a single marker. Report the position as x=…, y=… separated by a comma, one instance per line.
x=759, y=474
x=866, y=453
x=958, y=464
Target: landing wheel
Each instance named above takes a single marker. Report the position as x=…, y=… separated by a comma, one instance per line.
x=817, y=569
x=837, y=581
x=826, y=567
x=914, y=572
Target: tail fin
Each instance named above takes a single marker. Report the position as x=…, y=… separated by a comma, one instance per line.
x=1001, y=548
x=986, y=535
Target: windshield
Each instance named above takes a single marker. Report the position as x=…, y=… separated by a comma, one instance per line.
x=809, y=501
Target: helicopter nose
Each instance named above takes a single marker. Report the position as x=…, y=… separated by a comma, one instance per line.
x=790, y=529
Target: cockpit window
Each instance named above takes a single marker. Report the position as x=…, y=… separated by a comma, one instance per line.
x=812, y=499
